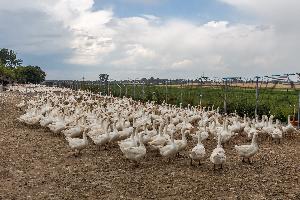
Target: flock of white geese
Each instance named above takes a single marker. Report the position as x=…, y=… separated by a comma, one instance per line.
x=87, y=119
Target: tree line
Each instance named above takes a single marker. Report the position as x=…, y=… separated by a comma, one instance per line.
x=12, y=67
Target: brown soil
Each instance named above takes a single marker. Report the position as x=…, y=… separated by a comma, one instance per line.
x=35, y=164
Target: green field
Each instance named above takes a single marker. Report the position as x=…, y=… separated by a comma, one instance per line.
x=279, y=102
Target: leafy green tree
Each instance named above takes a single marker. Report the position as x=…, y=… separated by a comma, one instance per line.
x=30, y=74
x=9, y=58
x=7, y=71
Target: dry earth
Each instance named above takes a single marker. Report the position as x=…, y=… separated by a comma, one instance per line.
x=35, y=164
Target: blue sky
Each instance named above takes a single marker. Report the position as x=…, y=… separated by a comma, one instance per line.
x=162, y=38
x=196, y=10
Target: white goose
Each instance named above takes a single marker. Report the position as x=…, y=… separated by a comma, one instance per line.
x=218, y=157
x=247, y=151
x=78, y=144
x=158, y=140
x=169, y=150
x=101, y=139
x=198, y=152
x=277, y=133
x=129, y=142
x=181, y=144
x=289, y=129
x=136, y=153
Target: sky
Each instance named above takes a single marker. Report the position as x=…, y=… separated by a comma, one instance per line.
x=171, y=39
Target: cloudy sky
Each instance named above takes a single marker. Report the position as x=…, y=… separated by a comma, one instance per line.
x=160, y=38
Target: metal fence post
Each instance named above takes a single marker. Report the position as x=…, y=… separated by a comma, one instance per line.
x=256, y=96
x=166, y=91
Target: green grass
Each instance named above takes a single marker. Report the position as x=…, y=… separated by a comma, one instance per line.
x=271, y=101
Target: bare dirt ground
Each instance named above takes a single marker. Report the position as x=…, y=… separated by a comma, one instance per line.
x=35, y=164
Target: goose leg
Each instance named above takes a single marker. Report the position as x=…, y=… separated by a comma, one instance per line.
x=221, y=166
x=199, y=163
x=214, y=167
x=191, y=162
x=243, y=159
x=250, y=162
x=76, y=153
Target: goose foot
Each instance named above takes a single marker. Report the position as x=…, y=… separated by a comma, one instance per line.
x=243, y=160
x=199, y=163
x=76, y=153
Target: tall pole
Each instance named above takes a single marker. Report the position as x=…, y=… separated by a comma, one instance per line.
x=256, y=96
x=100, y=83
x=166, y=91
x=200, y=103
x=107, y=88
x=225, y=97
x=134, y=89
x=181, y=93
x=144, y=91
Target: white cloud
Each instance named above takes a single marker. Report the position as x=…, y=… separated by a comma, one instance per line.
x=147, y=45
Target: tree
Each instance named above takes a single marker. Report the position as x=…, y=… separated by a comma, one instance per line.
x=9, y=58
x=30, y=74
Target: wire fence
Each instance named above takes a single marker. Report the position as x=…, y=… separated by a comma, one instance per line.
x=279, y=102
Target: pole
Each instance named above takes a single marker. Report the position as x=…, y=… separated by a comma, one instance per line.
x=256, y=96
x=120, y=89
x=200, y=103
x=225, y=97
x=100, y=84
x=107, y=88
x=144, y=91
x=181, y=93
x=134, y=89
x=166, y=91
